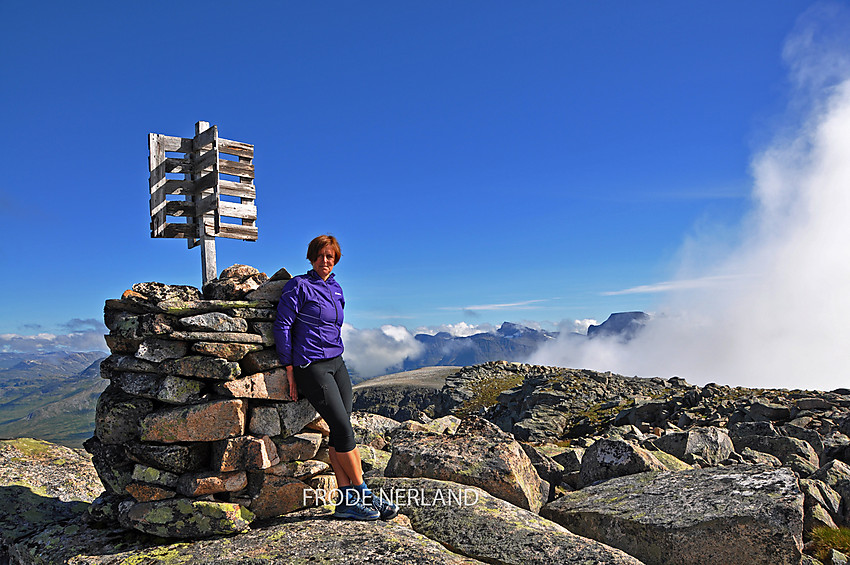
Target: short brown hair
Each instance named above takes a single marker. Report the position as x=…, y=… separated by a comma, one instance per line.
x=319, y=243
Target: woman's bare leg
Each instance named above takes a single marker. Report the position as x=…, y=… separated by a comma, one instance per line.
x=347, y=467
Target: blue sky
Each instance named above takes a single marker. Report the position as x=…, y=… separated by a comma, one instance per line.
x=479, y=161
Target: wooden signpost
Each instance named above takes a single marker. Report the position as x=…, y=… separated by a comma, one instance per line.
x=211, y=206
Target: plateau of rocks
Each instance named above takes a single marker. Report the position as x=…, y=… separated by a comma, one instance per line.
x=198, y=456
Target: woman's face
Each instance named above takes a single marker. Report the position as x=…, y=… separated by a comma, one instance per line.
x=324, y=263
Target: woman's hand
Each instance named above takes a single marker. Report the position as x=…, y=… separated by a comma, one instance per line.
x=293, y=389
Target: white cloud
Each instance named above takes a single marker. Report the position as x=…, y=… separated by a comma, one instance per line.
x=373, y=352
x=577, y=326
x=461, y=329
x=789, y=268
x=677, y=285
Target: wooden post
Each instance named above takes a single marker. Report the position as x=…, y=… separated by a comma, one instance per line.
x=208, y=268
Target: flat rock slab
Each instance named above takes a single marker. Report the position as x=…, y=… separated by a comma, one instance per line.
x=478, y=454
x=475, y=523
x=702, y=516
x=309, y=536
x=41, y=483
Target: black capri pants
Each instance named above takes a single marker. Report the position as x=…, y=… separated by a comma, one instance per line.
x=327, y=386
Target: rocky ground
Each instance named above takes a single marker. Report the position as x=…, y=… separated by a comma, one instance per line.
x=511, y=463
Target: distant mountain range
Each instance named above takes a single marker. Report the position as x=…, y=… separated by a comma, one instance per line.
x=510, y=342
x=50, y=396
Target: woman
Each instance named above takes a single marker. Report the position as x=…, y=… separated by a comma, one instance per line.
x=308, y=338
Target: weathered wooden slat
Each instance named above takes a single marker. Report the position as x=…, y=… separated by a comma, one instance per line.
x=205, y=140
x=205, y=161
x=236, y=148
x=179, y=187
x=156, y=181
x=180, y=208
x=236, y=168
x=233, y=231
x=178, y=165
x=181, y=230
x=238, y=189
x=176, y=144
x=206, y=182
x=235, y=210
x=205, y=205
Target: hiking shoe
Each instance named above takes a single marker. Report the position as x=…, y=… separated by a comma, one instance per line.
x=385, y=508
x=352, y=507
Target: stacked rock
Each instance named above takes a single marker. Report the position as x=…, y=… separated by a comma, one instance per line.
x=196, y=434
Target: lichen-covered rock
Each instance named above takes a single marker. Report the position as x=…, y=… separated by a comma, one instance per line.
x=260, y=361
x=202, y=367
x=478, y=454
x=41, y=483
x=700, y=516
x=129, y=326
x=279, y=495
x=786, y=449
x=157, y=350
x=372, y=429
x=608, y=458
x=711, y=444
x=374, y=461
x=175, y=458
x=117, y=362
x=228, y=351
x=145, y=385
x=298, y=447
x=295, y=538
x=187, y=518
x=155, y=292
x=118, y=415
x=243, y=453
x=477, y=524
x=211, y=421
x=301, y=470
x=270, y=291
x=234, y=283
x=272, y=385
x=111, y=464
x=178, y=390
x=215, y=322
x=211, y=482
x=294, y=416
x=144, y=492
x=264, y=421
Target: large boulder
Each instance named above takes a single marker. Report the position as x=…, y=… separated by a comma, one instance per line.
x=699, y=516
x=478, y=454
x=475, y=523
x=608, y=458
x=793, y=452
x=711, y=445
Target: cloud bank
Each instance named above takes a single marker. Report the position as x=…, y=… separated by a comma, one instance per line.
x=372, y=352
x=47, y=342
x=775, y=310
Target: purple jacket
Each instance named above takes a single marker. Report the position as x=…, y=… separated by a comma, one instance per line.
x=309, y=320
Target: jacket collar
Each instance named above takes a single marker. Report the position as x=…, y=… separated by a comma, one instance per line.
x=314, y=275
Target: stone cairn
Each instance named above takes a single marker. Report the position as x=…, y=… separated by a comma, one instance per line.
x=196, y=434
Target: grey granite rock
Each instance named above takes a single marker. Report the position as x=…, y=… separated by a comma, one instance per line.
x=700, y=516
